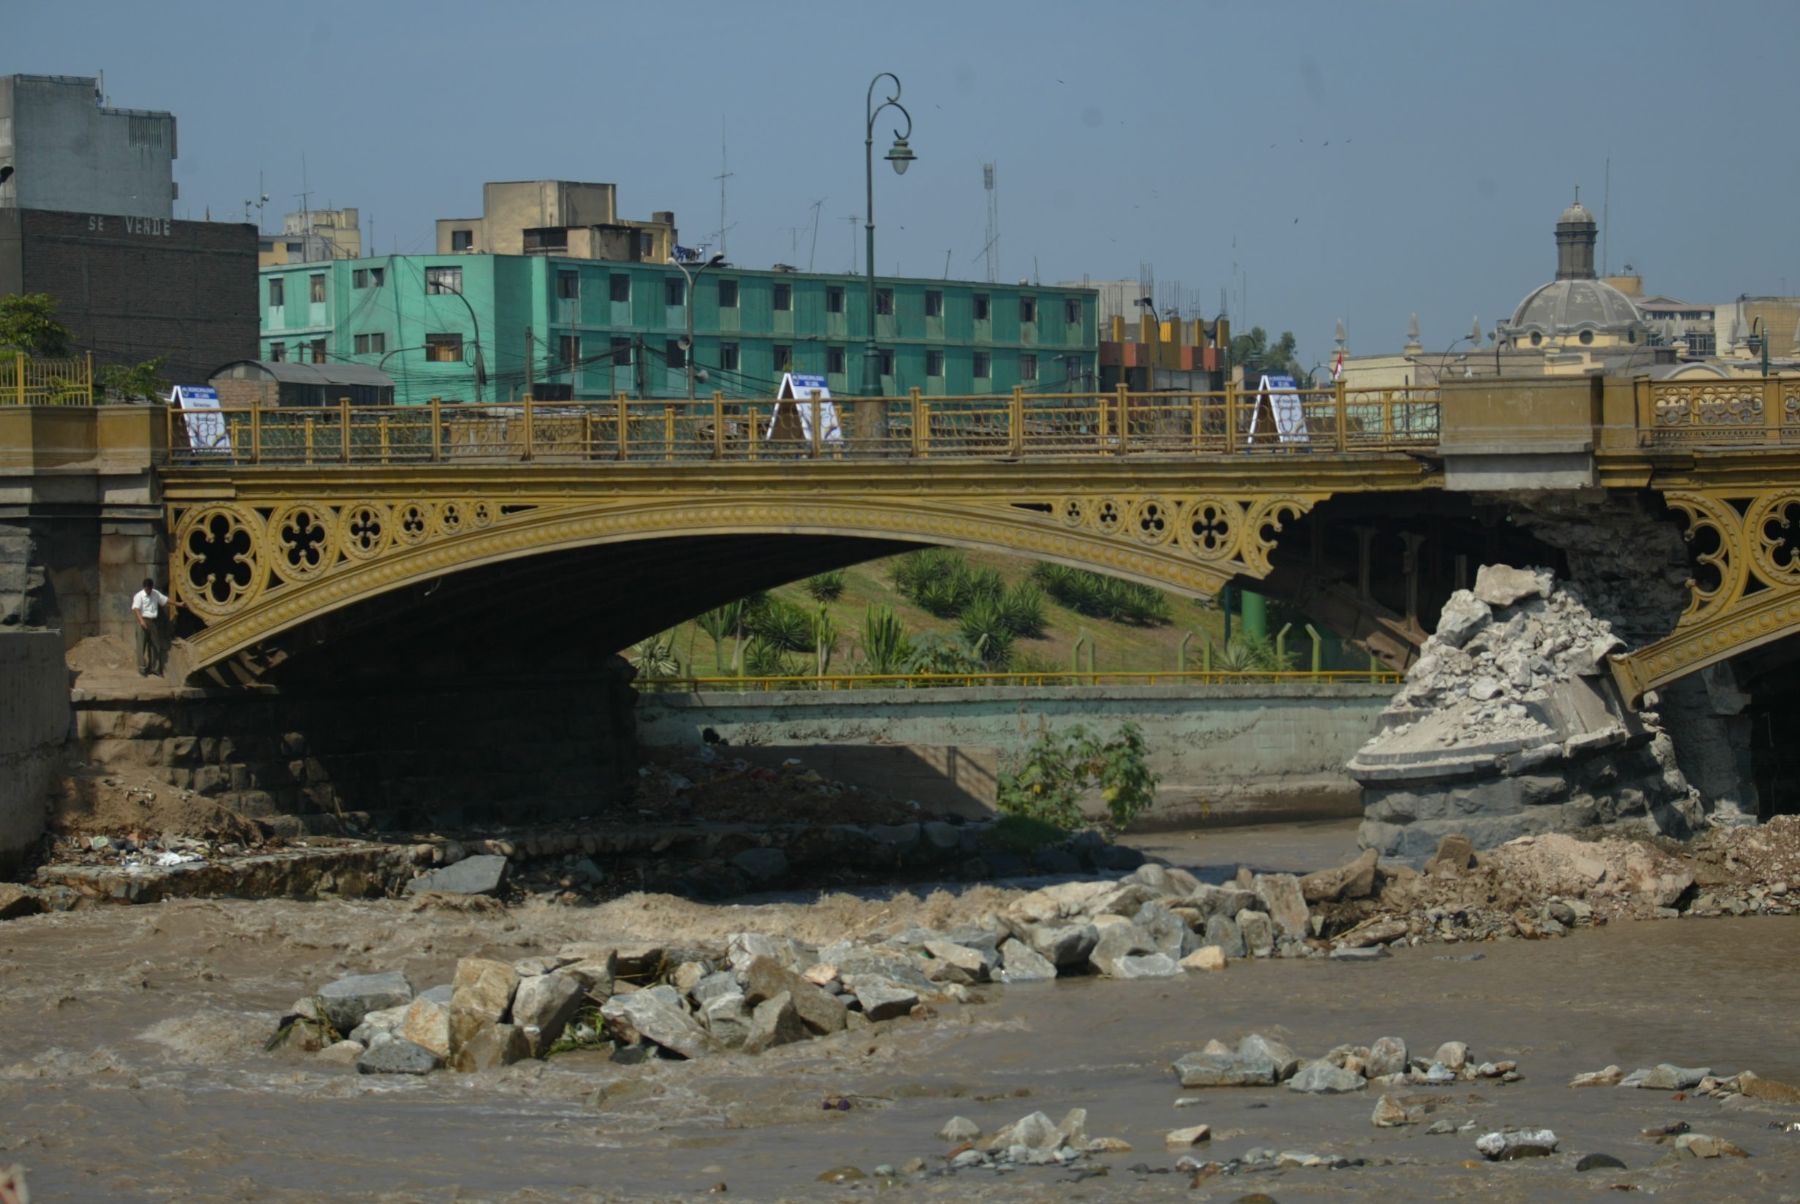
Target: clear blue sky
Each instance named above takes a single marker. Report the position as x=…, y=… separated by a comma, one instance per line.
x=1352, y=160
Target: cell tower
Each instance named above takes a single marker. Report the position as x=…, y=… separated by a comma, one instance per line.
x=993, y=222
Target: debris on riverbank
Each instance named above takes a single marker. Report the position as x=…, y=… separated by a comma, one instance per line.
x=754, y=991
x=1509, y=724
x=1537, y=886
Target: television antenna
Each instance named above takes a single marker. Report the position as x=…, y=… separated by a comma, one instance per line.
x=810, y=254
x=992, y=248
x=725, y=173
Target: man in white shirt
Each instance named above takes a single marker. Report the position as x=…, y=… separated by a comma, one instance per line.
x=148, y=605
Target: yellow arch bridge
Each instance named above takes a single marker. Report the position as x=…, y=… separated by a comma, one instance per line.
x=281, y=517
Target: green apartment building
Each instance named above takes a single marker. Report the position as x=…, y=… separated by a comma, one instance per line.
x=594, y=328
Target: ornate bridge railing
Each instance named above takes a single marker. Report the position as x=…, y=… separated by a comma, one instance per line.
x=1744, y=411
x=990, y=426
x=35, y=381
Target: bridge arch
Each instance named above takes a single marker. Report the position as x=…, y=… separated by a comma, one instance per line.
x=247, y=569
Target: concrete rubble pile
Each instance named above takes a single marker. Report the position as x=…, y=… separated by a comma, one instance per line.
x=1509, y=724
x=759, y=991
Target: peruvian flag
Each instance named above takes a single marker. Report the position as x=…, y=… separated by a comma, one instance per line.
x=1337, y=367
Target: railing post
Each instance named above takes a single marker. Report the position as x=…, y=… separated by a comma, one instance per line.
x=755, y=434
x=307, y=429
x=1124, y=443
x=1644, y=395
x=624, y=417
x=718, y=425
x=668, y=431
x=1231, y=415
x=255, y=433
x=1340, y=400
x=1318, y=649
x=381, y=426
x=344, y=420
x=437, y=429
x=1771, y=401
x=530, y=428
x=90, y=377
x=920, y=430
x=1196, y=417
x=1015, y=417
x=817, y=434
x=1181, y=652
x=19, y=375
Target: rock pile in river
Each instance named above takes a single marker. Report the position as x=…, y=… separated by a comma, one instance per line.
x=1509, y=724
x=758, y=990
x=1261, y=1061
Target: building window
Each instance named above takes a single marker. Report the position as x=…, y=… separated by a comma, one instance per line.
x=1071, y=367
x=443, y=349
x=1072, y=311
x=1586, y=337
x=834, y=359
x=884, y=300
x=646, y=245
x=318, y=351
x=784, y=298
x=317, y=283
x=674, y=291
x=1027, y=309
x=981, y=307
x=296, y=248
x=1027, y=366
x=887, y=363
x=546, y=238
x=568, y=285
x=983, y=368
x=377, y=277
x=1536, y=338
x=359, y=278
x=934, y=363
x=277, y=292
x=834, y=298
x=728, y=356
x=675, y=354
x=277, y=353
x=568, y=350
x=728, y=294
x=934, y=303
x=621, y=350
x=443, y=280
x=784, y=358
x=361, y=344
x=619, y=287
x=462, y=240
x=371, y=344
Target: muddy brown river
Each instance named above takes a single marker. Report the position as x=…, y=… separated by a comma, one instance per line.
x=131, y=1063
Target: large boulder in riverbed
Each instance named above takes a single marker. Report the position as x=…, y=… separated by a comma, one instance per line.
x=397, y=1056
x=1283, y=900
x=774, y=1022
x=483, y=875
x=1063, y=945
x=657, y=1015
x=543, y=1005
x=1019, y=962
x=484, y=987
x=1355, y=880
x=346, y=1001
x=766, y=978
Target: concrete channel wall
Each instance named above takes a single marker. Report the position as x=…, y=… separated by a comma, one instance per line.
x=34, y=725
x=1225, y=754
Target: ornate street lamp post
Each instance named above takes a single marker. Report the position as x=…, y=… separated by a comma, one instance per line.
x=440, y=288
x=688, y=354
x=901, y=156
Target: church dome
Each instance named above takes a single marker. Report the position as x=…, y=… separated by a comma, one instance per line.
x=1566, y=306
x=1574, y=214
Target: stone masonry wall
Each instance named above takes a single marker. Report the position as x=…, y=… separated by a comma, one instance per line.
x=34, y=723
x=331, y=762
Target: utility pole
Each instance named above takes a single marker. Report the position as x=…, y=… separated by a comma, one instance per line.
x=530, y=377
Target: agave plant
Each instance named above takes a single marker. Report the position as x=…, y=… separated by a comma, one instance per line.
x=886, y=647
x=655, y=659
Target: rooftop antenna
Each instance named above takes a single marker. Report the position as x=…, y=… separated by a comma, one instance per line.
x=992, y=249
x=1606, y=222
x=947, y=263
x=814, y=251
x=262, y=198
x=305, y=216
x=853, y=219
x=725, y=173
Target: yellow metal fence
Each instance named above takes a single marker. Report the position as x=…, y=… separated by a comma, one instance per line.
x=28, y=380
x=1731, y=411
x=717, y=428
x=913, y=681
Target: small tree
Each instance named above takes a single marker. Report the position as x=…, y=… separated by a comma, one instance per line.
x=28, y=323
x=655, y=658
x=824, y=638
x=1049, y=780
x=133, y=382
